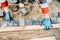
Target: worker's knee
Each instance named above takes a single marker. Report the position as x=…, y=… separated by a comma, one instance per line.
x=43, y=1
x=4, y=4
x=45, y=8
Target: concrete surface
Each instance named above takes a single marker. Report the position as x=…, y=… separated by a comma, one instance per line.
x=35, y=13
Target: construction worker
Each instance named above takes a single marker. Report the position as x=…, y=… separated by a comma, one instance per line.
x=4, y=5
x=45, y=10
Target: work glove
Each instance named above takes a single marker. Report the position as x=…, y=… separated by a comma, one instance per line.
x=47, y=23
x=8, y=16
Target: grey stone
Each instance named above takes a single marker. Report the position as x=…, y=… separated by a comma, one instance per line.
x=58, y=20
x=54, y=20
x=16, y=23
x=28, y=22
x=36, y=22
x=40, y=21
x=21, y=22
x=11, y=24
x=4, y=24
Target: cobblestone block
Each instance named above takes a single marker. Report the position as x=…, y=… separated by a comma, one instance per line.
x=28, y=22
x=4, y=24
x=21, y=22
x=36, y=22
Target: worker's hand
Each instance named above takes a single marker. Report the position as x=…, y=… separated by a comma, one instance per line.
x=47, y=23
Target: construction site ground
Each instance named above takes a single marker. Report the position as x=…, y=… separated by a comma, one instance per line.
x=35, y=13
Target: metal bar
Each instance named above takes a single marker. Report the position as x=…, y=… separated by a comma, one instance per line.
x=26, y=27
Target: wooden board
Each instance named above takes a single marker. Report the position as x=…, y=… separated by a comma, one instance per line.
x=26, y=27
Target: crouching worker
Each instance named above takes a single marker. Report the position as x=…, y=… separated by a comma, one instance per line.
x=4, y=5
x=45, y=10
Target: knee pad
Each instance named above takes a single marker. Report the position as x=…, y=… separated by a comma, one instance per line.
x=4, y=4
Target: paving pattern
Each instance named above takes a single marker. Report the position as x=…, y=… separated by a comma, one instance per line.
x=27, y=22
x=35, y=13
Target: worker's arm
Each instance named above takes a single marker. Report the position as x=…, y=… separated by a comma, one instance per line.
x=4, y=4
x=45, y=10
